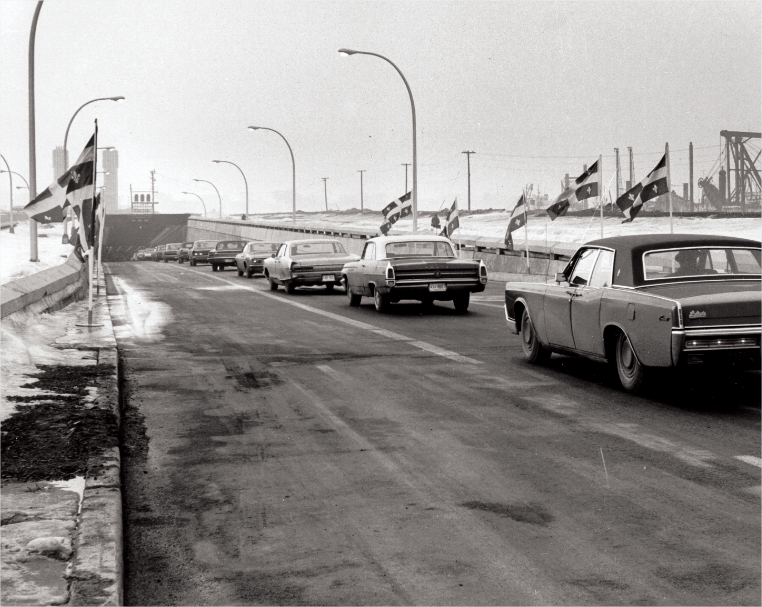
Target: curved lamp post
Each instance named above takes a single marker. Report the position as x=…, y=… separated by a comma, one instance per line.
x=246, y=183
x=216, y=190
x=346, y=51
x=199, y=197
x=293, y=168
x=66, y=137
x=10, y=176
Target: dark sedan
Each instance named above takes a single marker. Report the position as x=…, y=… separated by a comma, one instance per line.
x=183, y=253
x=421, y=267
x=640, y=302
x=223, y=254
x=251, y=260
x=199, y=253
x=307, y=263
x=170, y=252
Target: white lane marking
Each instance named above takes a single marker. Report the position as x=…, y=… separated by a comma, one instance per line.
x=358, y=324
x=333, y=373
x=165, y=275
x=487, y=305
x=750, y=459
x=446, y=353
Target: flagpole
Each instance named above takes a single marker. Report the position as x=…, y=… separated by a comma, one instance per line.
x=526, y=233
x=102, y=213
x=600, y=188
x=90, y=248
x=669, y=188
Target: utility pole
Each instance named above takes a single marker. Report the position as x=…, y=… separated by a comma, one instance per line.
x=468, y=156
x=361, y=197
x=618, y=174
x=325, y=187
x=153, y=191
x=632, y=169
x=690, y=173
x=405, y=164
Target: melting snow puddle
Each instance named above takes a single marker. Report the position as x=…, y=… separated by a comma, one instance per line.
x=145, y=318
x=76, y=484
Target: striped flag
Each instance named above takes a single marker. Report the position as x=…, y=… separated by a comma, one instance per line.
x=49, y=206
x=518, y=219
x=585, y=186
x=397, y=209
x=452, y=222
x=655, y=184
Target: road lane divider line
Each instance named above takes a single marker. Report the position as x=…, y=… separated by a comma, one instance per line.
x=357, y=324
x=750, y=459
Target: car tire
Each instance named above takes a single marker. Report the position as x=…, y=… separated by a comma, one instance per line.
x=354, y=298
x=329, y=287
x=165, y=261
x=534, y=351
x=214, y=267
x=381, y=301
x=631, y=372
x=461, y=302
x=290, y=287
x=240, y=272
x=249, y=272
x=192, y=263
x=273, y=284
x=221, y=267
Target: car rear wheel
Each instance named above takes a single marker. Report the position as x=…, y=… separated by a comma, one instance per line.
x=273, y=284
x=354, y=298
x=380, y=301
x=240, y=272
x=461, y=302
x=214, y=267
x=534, y=351
x=631, y=372
x=249, y=271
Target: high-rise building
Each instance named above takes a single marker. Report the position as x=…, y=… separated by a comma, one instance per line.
x=110, y=194
x=59, y=162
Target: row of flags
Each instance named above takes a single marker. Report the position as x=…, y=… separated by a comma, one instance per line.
x=74, y=189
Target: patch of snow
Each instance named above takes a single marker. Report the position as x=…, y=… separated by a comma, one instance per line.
x=14, y=250
x=76, y=485
x=146, y=316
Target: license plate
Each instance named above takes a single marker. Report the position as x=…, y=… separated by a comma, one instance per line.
x=229, y=260
x=328, y=278
x=438, y=286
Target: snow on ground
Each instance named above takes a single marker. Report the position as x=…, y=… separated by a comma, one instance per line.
x=562, y=230
x=14, y=250
x=25, y=342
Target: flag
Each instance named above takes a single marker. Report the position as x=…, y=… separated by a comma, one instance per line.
x=585, y=186
x=386, y=226
x=655, y=184
x=452, y=222
x=518, y=219
x=398, y=209
x=49, y=206
x=435, y=221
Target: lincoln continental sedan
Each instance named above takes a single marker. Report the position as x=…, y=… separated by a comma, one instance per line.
x=422, y=268
x=647, y=301
x=300, y=263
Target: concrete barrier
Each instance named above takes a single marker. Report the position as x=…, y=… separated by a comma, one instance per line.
x=500, y=260
x=45, y=291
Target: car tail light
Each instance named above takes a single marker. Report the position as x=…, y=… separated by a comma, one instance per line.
x=293, y=266
x=677, y=317
x=482, y=273
x=390, y=277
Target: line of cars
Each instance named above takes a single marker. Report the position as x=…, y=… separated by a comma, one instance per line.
x=635, y=302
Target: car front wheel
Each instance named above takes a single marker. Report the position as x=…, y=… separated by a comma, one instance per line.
x=192, y=263
x=240, y=271
x=290, y=287
x=380, y=301
x=273, y=284
x=214, y=267
x=534, y=351
x=631, y=372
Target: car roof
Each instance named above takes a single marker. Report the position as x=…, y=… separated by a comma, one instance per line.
x=310, y=241
x=658, y=241
x=410, y=237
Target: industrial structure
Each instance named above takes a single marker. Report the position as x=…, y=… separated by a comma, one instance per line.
x=142, y=202
x=110, y=192
x=738, y=187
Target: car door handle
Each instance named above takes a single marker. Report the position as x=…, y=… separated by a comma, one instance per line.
x=574, y=294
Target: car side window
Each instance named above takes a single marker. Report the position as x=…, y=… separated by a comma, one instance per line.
x=602, y=273
x=370, y=251
x=281, y=251
x=580, y=275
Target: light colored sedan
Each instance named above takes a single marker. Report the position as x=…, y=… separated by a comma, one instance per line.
x=307, y=263
x=251, y=260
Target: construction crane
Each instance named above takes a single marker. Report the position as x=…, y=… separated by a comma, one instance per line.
x=739, y=182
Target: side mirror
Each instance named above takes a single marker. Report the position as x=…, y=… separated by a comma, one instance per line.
x=560, y=277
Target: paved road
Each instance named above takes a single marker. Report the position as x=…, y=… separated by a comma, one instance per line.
x=291, y=449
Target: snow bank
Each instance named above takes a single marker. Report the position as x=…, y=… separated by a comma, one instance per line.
x=14, y=250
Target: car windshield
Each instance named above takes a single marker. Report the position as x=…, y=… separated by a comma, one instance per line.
x=173, y=247
x=186, y=245
x=231, y=244
x=419, y=248
x=265, y=247
x=700, y=262
x=205, y=244
x=317, y=248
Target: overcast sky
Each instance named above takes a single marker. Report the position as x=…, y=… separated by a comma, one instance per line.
x=536, y=89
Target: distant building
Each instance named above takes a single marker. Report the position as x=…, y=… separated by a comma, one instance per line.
x=59, y=162
x=110, y=193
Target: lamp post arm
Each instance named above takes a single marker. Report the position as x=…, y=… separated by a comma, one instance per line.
x=66, y=137
x=245, y=182
x=10, y=177
x=199, y=197
x=293, y=171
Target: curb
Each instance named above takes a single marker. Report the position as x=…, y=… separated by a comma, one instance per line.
x=97, y=569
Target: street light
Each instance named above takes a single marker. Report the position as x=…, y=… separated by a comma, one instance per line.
x=10, y=177
x=293, y=167
x=216, y=190
x=199, y=197
x=66, y=137
x=346, y=51
x=246, y=183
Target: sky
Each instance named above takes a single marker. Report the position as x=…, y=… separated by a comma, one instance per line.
x=535, y=89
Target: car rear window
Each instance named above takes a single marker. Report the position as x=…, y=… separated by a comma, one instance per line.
x=231, y=244
x=317, y=248
x=173, y=247
x=700, y=261
x=419, y=248
x=265, y=247
x=205, y=244
x=186, y=245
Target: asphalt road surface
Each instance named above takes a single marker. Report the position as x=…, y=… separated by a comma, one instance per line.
x=292, y=450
